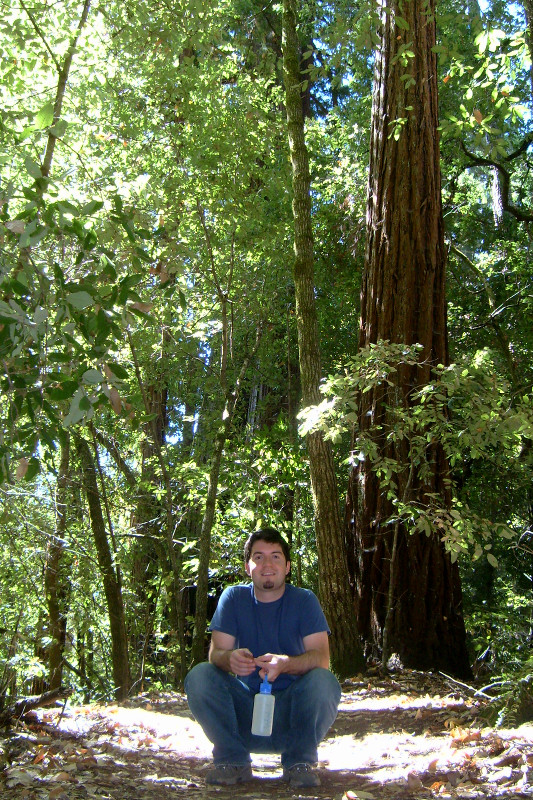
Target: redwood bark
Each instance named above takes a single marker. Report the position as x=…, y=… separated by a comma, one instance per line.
x=403, y=300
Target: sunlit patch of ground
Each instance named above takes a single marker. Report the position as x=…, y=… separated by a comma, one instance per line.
x=407, y=737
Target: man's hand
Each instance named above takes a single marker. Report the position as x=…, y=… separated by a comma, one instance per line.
x=271, y=665
x=316, y=655
x=223, y=655
x=241, y=661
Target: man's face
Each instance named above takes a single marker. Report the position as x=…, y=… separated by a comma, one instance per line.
x=267, y=567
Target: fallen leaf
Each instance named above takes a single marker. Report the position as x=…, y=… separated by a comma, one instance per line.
x=453, y=777
x=510, y=759
x=413, y=782
x=60, y=777
x=57, y=793
x=461, y=737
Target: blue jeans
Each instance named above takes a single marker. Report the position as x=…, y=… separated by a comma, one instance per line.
x=223, y=706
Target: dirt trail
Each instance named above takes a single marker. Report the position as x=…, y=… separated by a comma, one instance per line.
x=411, y=735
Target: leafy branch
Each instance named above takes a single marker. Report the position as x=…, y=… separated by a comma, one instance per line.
x=463, y=410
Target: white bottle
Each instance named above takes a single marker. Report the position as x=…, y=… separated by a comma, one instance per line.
x=263, y=710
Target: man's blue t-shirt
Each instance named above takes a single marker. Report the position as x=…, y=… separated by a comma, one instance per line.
x=278, y=627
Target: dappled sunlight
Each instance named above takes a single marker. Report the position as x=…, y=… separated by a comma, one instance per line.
x=407, y=735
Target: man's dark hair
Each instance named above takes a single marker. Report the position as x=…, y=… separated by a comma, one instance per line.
x=270, y=535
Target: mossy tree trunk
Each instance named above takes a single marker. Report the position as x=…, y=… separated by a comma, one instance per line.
x=335, y=591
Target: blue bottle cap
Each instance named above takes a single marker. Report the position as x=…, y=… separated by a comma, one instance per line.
x=266, y=687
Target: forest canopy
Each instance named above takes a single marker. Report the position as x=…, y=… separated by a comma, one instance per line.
x=155, y=404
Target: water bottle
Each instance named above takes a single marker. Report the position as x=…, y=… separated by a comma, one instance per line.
x=263, y=710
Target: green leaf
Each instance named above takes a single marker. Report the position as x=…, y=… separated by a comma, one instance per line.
x=76, y=413
x=26, y=133
x=91, y=207
x=64, y=392
x=34, y=467
x=44, y=117
x=90, y=241
x=402, y=23
x=482, y=41
x=68, y=208
x=37, y=236
x=80, y=300
x=93, y=377
x=32, y=168
x=59, y=129
x=117, y=370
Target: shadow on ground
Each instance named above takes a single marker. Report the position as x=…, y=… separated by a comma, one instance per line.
x=411, y=735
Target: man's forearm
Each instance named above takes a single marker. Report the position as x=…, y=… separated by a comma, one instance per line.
x=311, y=659
x=239, y=661
x=220, y=658
x=273, y=664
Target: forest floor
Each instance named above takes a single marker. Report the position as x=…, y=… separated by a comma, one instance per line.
x=407, y=736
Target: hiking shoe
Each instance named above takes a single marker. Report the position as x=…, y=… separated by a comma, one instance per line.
x=228, y=774
x=301, y=775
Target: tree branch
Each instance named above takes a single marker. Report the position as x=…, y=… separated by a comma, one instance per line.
x=40, y=34
x=64, y=70
x=112, y=449
x=478, y=161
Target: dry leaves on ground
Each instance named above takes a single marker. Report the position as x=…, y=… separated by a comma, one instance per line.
x=411, y=735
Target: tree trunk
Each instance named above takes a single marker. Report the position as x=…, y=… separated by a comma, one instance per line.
x=335, y=591
x=55, y=579
x=528, y=8
x=148, y=521
x=417, y=594
x=202, y=588
x=168, y=550
x=112, y=587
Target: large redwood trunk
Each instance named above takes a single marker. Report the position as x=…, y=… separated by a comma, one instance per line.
x=405, y=583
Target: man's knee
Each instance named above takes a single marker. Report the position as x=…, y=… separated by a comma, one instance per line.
x=200, y=678
x=322, y=684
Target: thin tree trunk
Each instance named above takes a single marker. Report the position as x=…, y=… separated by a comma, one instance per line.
x=55, y=578
x=202, y=588
x=528, y=8
x=149, y=522
x=335, y=591
x=8, y=678
x=63, y=70
x=168, y=523
x=111, y=582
